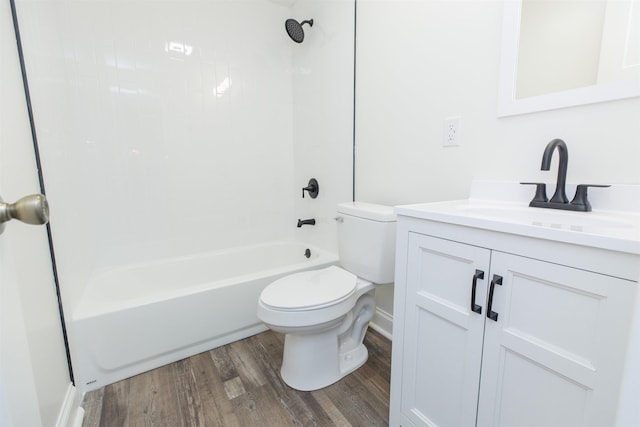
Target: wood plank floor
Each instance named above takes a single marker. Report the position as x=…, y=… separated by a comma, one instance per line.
x=239, y=385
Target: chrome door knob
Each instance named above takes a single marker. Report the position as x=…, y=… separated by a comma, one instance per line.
x=33, y=209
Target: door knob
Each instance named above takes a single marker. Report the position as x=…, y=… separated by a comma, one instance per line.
x=33, y=209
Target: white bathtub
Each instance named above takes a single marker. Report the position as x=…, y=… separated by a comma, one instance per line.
x=139, y=317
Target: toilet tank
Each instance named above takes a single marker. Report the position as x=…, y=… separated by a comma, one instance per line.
x=367, y=240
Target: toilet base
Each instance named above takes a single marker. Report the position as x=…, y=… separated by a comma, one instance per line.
x=312, y=361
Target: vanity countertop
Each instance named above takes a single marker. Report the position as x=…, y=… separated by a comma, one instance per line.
x=617, y=229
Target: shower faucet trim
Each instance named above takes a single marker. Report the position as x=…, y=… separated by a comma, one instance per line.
x=312, y=187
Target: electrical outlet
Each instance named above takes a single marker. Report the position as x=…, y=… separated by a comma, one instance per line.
x=451, y=132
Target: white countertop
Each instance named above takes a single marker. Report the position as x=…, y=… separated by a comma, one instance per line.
x=617, y=230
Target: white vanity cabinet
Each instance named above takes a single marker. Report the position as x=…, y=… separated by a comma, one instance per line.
x=500, y=329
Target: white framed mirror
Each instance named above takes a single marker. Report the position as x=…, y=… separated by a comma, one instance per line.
x=563, y=53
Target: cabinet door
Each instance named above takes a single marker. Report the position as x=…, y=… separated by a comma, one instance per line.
x=555, y=353
x=443, y=335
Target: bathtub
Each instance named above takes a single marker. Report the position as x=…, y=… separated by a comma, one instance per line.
x=136, y=318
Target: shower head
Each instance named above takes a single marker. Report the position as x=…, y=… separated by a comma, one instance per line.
x=294, y=29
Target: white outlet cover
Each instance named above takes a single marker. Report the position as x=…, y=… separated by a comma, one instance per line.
x=451, y=132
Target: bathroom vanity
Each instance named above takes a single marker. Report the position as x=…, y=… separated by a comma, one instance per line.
x=506, y=315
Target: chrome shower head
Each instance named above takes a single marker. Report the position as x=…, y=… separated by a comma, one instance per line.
x=294, y=29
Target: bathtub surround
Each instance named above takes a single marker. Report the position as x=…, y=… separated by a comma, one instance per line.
x=156, y=120
x=322, y=73
x=167, y=114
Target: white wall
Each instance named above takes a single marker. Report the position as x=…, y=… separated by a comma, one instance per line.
x=419, y=62
x=169, y=128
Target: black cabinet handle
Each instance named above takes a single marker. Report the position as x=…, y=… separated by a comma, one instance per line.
x=475, y=307
x=497, y=280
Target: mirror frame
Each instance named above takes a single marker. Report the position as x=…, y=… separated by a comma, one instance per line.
x=509, y=105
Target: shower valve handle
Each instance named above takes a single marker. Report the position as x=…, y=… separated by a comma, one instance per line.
x=313, y=188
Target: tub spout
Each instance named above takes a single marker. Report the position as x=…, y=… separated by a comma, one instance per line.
x=302, y=222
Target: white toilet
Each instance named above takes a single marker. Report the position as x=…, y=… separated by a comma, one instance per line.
x=324, y=314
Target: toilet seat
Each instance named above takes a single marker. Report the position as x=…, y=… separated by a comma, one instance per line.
x=310, y=290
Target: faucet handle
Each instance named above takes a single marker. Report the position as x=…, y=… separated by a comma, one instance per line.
x=580, y=199
x=313, y=188
x=541, y=191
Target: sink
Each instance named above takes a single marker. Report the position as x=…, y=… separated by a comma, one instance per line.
x=504, y=207
x=566, y=220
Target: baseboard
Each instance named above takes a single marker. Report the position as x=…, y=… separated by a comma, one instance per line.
x=79, y=418
x=68, y=414
x=382, y=323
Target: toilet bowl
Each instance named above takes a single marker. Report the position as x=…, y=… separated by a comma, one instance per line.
x=325, y=313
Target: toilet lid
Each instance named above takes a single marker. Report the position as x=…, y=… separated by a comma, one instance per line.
x=310, y=289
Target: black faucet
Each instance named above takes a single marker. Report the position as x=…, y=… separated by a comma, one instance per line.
x=560, y=196
x=559, y=200
x=302, y=222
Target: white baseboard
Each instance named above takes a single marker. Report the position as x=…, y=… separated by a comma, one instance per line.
x=67, y=407
x=77, y=420
x=71, y=410
x=382, y=323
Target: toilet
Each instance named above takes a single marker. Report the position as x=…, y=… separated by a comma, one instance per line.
x=325, y=313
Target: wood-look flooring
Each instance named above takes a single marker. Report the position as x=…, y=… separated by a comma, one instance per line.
x=239, y=385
